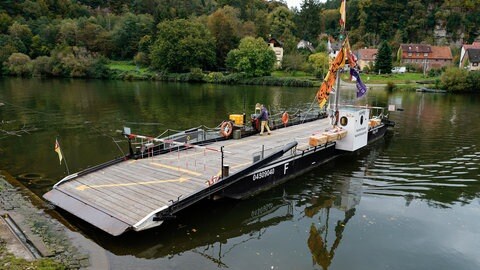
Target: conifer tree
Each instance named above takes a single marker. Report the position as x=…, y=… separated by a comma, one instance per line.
x=383, y=62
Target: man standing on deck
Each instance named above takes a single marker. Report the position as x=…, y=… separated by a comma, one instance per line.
x=264, y=120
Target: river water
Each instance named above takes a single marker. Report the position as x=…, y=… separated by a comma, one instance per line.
x=410, y=201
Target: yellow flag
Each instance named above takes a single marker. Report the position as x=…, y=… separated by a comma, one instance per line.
x=343, y=15
x=59, y=151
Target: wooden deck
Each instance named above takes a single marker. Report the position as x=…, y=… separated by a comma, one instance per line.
x=120, y=196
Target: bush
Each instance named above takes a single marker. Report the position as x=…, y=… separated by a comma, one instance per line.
x=78, y=62
x=473, y=81
x=214, y=77
x=434, y=72
x=455, y=80
x=42, y=66
x=141, y=59
x=196, y=75
x=19, y=64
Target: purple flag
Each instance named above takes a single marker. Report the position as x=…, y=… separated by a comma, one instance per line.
x=361, y=87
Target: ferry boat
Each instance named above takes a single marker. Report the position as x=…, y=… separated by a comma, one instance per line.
x=163, y=175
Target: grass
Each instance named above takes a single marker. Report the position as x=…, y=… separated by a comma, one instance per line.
x=8, y=261
x=126, y=66
x=128, y=70
x=405, y=78
x=295, y=74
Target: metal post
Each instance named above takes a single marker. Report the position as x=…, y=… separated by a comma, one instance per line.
x=221, y=150
x=337, y=97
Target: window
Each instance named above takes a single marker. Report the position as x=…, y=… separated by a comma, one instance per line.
x=425, y=54
x=475, y=64
x=410, y=54
x=418, y=54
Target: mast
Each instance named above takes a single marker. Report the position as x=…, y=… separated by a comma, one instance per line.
x=333, y=74
x=343, y=10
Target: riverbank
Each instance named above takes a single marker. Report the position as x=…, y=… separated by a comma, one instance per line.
x=30, y=238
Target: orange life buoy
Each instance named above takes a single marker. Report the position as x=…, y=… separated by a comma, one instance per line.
x=285, y=118
x=226, y=128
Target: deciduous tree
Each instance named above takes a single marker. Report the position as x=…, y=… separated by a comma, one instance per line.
x=182, y=45
x=319, y=64
x=225, y=27
x=253, y=57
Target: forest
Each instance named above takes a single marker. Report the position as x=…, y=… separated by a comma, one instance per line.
x=78, y=38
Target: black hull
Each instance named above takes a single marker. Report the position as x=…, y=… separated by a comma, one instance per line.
x=285, y=169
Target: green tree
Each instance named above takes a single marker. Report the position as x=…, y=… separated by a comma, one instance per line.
x=128, y=33
x=23, y=35
x=38, y=48
x=42, y=66
x=253, y=57
x=416, y=27
x=293, y=62
x=182, y=45
x=383, y=62
x=89, y=35
x=281, y=20
x=5, y=22
x=261, y=24
x=8, y=47
x=68, y=32
x=319, y=64
x=224, y=25
x=309, y=21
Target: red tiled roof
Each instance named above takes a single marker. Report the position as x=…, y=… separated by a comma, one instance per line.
x=440, y=52
x=367, y=54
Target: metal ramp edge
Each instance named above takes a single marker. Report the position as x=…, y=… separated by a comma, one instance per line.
x=86, y=212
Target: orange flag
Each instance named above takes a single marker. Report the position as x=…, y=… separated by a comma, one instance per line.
x=327, y=85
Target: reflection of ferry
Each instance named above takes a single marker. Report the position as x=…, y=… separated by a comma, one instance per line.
x=345, y=201
x=322, y=251
x=201, y=232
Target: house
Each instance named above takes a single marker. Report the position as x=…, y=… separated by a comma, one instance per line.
x=471, y=59
x=277, y=47
x=465, y=47
x=333, y=48
x=366, y=57
x=306, y=45
x=425, y=56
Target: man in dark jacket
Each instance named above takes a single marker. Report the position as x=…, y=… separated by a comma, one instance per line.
x=264, y=119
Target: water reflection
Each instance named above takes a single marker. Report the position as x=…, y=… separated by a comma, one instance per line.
x=204, y=229
x=346, y=200
x=420, y=183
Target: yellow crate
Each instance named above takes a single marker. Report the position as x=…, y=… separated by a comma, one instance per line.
x=237, y=119
x=317, y=140
x=374, y=122
x=335, y=135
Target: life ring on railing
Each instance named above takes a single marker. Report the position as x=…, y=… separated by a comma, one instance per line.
x=226, y=129
x=285, y=118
